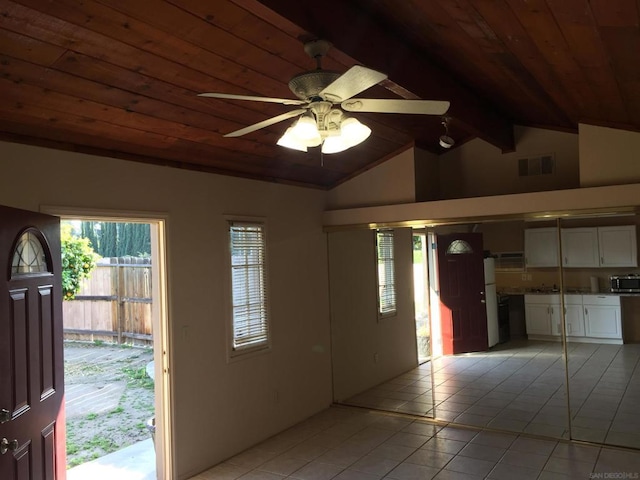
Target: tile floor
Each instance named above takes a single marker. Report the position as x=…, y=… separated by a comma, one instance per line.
x=347, y=443
x=520, y=387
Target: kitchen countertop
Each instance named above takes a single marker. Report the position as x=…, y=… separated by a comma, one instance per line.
x=525, y=291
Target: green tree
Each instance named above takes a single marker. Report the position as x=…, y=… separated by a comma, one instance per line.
x=78, y=260
x=125, y=239
x=109, y=240
x=88, y=230
x=141, y=241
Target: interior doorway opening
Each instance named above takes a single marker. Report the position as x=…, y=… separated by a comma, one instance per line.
x=140, y=358
x=421, y=296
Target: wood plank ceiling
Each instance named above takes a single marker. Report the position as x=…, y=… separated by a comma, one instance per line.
x=119, y=78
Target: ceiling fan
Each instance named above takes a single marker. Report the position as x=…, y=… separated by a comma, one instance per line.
x=324, y=97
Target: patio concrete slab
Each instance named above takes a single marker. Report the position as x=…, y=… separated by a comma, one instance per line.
x=85, y=398
x=136, y=462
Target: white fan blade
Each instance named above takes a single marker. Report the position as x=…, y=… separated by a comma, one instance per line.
x=230, y=96
x=424, y=107
x=266, y=123
x=355, y=80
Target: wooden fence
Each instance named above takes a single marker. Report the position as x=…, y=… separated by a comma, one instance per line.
x=113, y=305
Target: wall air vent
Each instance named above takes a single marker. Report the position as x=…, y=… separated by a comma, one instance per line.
x=538, y=165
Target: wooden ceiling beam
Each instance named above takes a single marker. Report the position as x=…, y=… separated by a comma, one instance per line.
x=365, y=39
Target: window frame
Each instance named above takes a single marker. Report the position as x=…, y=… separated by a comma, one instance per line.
x=378, y=259
x=243, y=351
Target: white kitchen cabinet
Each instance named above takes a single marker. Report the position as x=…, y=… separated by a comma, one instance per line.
x=537, y=319
x=602, y=316
x=589, y=247
x=618, y=247
x=580, y=247
x=542, y=314
x=574, y=316
x=541, y=247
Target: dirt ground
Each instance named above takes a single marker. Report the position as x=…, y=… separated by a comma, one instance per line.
x=109, y=399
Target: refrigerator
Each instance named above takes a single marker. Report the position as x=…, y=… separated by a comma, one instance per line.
x=491, y=301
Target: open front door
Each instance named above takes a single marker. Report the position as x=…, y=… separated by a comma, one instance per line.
x=463, y=314
x=31, y=351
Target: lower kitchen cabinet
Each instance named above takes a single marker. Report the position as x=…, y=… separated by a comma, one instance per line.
x=588, y=318
x=602, y=317
x=538, y=319
x=542, y=314
x=574, y=321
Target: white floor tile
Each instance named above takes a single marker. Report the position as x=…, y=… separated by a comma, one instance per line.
x=522, y=459
x=444, y=445
x=411, y=471
x=375, y=465
x=503, y=471
x=482, y=452
x=283, y=465
x=429, y=458
x=317, y=471
x=472, y=466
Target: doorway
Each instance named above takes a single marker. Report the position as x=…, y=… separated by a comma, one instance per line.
x=142, y=302
x=421, y=296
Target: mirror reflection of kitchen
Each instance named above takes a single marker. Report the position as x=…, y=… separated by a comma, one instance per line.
x=504, y=370
x=602, y=301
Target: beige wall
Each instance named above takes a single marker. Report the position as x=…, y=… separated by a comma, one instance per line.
x=477, y=168
x=368, y=350
x=508, y=205
x=220, y=407
x=427, y=168
x=391, y=182
x=608, y=156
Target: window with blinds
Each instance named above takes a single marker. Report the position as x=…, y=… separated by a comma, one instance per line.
x=249, y=295
x=386, y=273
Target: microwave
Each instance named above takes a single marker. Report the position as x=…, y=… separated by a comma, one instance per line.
x=625, y=283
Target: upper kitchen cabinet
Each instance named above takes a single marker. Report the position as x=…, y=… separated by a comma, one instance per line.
x=618, y=246
x=541, y=247
x=580, y=247
x=589, y=247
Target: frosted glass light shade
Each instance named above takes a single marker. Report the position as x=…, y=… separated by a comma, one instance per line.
x=307, y=131
x=354, y=132
x=289, y=140
x=334, y=144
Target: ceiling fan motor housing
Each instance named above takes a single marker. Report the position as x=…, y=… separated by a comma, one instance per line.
x=308, y=85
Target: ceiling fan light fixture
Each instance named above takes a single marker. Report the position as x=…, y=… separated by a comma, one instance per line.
x=306, y=130
x=353, y=132
x=334, y=144
x=289, y=140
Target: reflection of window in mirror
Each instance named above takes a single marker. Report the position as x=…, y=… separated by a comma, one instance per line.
x=385, y=273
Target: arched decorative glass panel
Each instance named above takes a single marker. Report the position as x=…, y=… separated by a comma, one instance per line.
x=29, y=255
x=459, y=246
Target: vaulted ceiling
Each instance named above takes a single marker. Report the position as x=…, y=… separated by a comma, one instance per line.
x=120, y=78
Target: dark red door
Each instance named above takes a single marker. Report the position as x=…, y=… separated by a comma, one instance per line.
x=31, y=351
x=463, y=314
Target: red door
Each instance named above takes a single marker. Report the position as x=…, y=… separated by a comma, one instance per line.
x=31, y=351
x=463, y=314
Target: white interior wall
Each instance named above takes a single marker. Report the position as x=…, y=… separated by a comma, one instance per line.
x=220, y=408
x=477, y=168
x=368, y=350
x=391, y=182
x=608, y=156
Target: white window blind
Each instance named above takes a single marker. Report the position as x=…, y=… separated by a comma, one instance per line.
x=386, y=272
x=249, y=296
